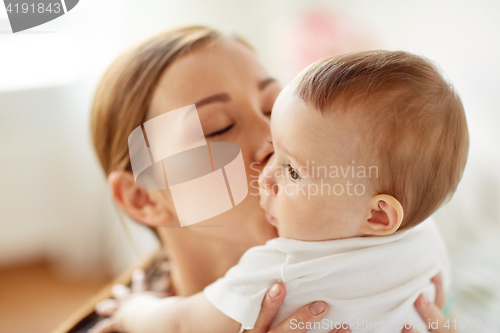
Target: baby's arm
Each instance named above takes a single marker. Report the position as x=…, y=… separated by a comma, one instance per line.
x=145, y=313
x=239, y=294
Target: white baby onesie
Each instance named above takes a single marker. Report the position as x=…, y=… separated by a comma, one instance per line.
x=368, y=282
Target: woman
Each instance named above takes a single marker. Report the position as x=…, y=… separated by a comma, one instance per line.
x=234, y=96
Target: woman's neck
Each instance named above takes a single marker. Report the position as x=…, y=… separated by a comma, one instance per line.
x=197, y=260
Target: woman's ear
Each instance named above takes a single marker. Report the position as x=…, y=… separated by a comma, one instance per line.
x=138, y=202
x=384, y=217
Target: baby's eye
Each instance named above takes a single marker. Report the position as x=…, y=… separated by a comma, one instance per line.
x=294, y=176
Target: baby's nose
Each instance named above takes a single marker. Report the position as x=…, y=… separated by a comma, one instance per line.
x=267, y=181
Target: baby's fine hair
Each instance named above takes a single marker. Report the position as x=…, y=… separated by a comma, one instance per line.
x=412, y=120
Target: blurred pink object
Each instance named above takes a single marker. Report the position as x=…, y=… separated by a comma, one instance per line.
x=318, y=33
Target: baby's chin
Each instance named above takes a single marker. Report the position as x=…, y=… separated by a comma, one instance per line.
x=261, y=226
x=268, y=231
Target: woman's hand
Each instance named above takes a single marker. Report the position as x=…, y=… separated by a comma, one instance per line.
x=433, y=312
x=309, y=313
x=314, y=312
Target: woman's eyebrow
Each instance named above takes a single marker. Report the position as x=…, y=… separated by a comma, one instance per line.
x=264, y=83
x=221, y=97
x=224, y=97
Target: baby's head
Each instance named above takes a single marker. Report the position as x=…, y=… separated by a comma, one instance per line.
x=365, y=144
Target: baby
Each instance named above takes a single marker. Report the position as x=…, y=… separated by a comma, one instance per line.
x=367, y=146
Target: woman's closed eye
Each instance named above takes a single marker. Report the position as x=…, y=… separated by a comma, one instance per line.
x=219, y=132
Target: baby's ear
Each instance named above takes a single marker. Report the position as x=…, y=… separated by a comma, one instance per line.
x=384, y=217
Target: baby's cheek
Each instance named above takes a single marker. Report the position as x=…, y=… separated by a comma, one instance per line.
x=297, y=209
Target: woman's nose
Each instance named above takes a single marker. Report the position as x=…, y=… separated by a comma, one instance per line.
x=264, y=147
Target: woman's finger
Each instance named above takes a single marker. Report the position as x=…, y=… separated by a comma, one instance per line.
x=106, y=307
x=432, y=314
x=120, y=292
x=440, y=297
x=139, y=281
x=104, y=326
x=270, y=306
x=298, y=322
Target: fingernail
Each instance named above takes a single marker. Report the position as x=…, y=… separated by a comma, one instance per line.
x=316, y=308
x=274, y=291
x=437, y=277
x=422, y=301
x=343, y=330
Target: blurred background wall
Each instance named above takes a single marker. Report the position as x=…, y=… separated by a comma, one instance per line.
x=56, y=216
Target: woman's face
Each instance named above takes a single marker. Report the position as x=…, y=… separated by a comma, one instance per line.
x=234, y=96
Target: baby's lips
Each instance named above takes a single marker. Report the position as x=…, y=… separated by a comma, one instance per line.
x=270, y=219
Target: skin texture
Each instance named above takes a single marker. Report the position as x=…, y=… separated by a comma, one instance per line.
x=200, y=254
